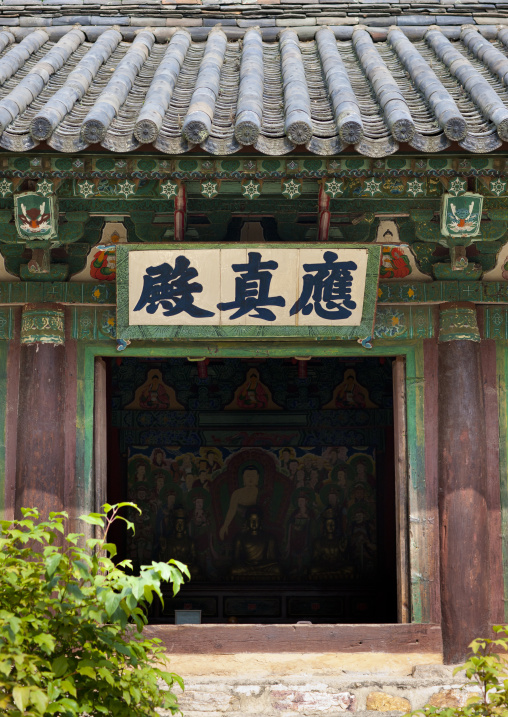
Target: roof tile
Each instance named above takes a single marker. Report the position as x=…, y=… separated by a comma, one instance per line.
x=395, y=85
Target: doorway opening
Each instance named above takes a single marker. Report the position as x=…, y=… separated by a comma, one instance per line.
x=272, y=479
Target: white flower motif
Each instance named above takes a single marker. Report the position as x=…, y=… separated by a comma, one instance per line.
x=121, y=163
x=497, y=187
x=292, y=189
x=78, y=163
x=373, y=186
x=169, y=189
x=45, y=188
x=126, y=188
x=333, y=188
x=414, y=188
x=249, y=165
x=335, y=164
x=292, y=165
x=87, y=189
x=251, y=189
x=5, y=187
x=35, y=162
x=209, y=189
x=456, y=186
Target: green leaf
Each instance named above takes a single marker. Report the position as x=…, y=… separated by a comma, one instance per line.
x=47, y=642
x=39, y=699
x=68, y=686
x=130, y=524
x=87, y=671
x=21, y=697
x=93, y=519
x=59, y=666
x=75, y=591
x=111, y=548
x=111, y=603
x=128, y=505
x=82, y=568
x=106, y=675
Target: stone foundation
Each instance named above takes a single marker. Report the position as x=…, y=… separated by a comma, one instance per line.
x=366, y=692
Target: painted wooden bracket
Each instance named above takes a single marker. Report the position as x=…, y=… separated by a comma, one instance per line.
x=40, y=261
x=324, y=214
x=180, y=213
x=459, y=258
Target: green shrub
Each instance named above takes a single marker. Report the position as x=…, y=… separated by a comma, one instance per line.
x=488, y=673
x=71, y=623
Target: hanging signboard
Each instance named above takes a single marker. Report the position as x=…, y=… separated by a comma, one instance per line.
x=246, y=291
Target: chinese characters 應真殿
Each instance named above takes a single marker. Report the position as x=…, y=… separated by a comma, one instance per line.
x=326, y=289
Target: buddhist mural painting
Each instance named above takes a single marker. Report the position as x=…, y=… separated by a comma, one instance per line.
x=252, y=394
x=154, y=394
x=256, y=515
x=350, y=394
x=253, y=475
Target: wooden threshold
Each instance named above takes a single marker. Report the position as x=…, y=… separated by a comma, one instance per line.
x=233, y=639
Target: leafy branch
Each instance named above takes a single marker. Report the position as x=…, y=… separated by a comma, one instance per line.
x=486, y=668
x=71, y=622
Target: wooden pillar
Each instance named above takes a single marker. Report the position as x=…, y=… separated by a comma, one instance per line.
x=40, y=460
x=464, y=543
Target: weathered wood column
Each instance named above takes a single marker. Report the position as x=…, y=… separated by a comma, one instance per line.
x=462, y=482
x=40, y=461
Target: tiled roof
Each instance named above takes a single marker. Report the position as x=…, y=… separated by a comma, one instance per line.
x=224, y=95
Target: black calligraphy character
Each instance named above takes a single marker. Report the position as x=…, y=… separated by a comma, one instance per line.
x=252, y=289
x=170, y=288
x=328, y=290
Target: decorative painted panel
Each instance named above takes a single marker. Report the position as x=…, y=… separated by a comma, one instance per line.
x=61, y=167
x=24, y=292
x=440, y=291
x=495, y=322
x=6, y=324
x=92, y=324
x=404, y=322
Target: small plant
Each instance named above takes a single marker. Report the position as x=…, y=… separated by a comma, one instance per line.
x=487, y=671
x=71, y=623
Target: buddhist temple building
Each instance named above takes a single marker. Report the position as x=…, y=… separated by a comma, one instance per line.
x=254, y=279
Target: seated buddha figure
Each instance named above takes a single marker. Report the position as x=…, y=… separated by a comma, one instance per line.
x=255, y=555
x=328, y=554
x=180, y=547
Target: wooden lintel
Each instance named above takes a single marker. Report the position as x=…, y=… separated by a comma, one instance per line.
x=231, y=639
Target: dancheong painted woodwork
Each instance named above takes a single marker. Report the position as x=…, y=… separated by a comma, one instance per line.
x=254, y=277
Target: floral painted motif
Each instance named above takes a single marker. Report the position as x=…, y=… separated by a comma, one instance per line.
x=394, y=265
x=390, y=323
x=103, y=266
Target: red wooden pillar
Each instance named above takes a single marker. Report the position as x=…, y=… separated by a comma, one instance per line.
x=464, y=542
x=40, y=460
